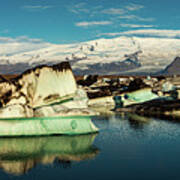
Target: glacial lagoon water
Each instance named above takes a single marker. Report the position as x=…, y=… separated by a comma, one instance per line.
x=127, y=147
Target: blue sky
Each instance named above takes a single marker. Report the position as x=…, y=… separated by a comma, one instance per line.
x=63, y=21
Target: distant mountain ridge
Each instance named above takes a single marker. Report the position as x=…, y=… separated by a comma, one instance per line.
x=121, y=55
x=173, y=68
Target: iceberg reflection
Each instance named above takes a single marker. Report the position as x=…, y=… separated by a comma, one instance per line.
x=19, y=155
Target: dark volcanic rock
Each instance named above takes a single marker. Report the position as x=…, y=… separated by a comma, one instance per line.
x=108, y=68
x=155, y=108
x=173, y=68
x=90, y=79
x=136, y=84
x=13, y=68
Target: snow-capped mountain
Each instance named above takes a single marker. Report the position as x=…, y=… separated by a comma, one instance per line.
x=103, y=56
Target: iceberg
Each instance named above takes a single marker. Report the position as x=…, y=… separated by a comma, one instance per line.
x=37, y=102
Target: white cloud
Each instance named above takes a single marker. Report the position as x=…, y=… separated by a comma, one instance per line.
x=147, y=32
x=5, y=31
x=119, y=11
x=20, y=39
x=92, y=23
x=136, y=25
x=10, y=46
x=128, y=17
x=134, y=17
x=113, y=11
x=79, y=5
x=37, y=7
x=155, y=33
x=5, y=39
x=98, y=7
x=134, y=7
x=109, y=34
x=78, y=8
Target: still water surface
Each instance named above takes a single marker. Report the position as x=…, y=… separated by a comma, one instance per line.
x=127, y=147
